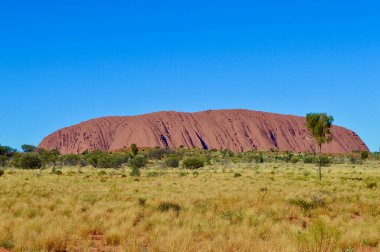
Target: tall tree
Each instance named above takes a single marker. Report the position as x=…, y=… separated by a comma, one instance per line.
x=319, y=125
x=28, y=148
x=7, y=151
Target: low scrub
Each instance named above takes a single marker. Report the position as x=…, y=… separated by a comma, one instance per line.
x=167, y=205
x=307, y=205
x=319, y=237
x=193, y=163
x=172, y=161
x=138, y=161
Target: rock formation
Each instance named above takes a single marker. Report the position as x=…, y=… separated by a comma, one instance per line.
x=237, y=130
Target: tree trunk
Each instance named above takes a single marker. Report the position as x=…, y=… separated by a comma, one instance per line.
x=319, y=161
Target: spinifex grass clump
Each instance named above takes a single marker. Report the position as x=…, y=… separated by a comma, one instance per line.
x=166, y=206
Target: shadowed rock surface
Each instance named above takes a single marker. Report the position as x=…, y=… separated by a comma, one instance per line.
x=237, y=130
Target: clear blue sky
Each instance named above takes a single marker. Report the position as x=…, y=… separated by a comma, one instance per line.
x=63, y=62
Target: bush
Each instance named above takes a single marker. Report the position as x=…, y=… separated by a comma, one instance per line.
x=354, y=160
x=294, y=160
x=70, y=159
x=134, y=149
x=166, y=206
x=56, y=171
x=158, y=153
x=172, y=162
x=102, y=173
x=364, y=155
x=236, y=175
x=308, y=159
x=193, y=163
x=135, y=172
x=138, y=161
x=152, y=174
x=318, y=237
x=30, y=161
x=323, y=161
x=100, y=159
x=1, y=173
x=307, y=205
x=371, y=185
x=48, y=157
x=3, y=161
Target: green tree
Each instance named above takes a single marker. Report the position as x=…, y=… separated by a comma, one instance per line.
x=364, y=155
x=30, y=161
x=28, y=148
x=319, y=125
x=49, y=157
x=134, y=149
x=7, y=151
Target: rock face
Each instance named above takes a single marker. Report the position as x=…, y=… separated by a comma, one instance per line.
x=237, y=130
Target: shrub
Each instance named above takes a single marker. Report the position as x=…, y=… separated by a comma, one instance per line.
x=70, y=159
x=319, y=238
x=354, y=160
x=306, y=173
x=158, y=153
x=323, y=161
x=234, y=217
x=135, y=172
x=102, y=173
x=364, y=155
x=259, y=158
x=100, y=159
x=166, y=206
x=1, y=173
x=236, y=175
x=134, y=149
x=142, y=201
x=182, y=174
x=30, y=161
x=307, y=205
x=193, y=163
x=3, y=161
x=172, y=161
x=138, y=161
x=308, y=159
x=48, y=157
x=294, y=160
x=56, y=171
x=152, y=174
x=371, y=185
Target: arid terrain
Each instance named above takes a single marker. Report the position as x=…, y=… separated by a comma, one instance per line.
x=230, y=204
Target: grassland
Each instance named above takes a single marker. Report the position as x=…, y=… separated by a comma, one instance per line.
x=231, y=207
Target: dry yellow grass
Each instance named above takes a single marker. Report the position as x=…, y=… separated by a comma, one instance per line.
x=220, y=211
